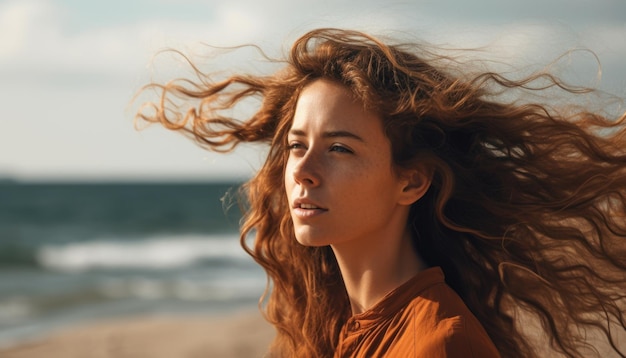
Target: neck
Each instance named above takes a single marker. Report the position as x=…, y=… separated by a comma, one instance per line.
x=372, y=269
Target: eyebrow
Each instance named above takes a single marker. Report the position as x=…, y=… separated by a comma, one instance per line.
x=330, y=134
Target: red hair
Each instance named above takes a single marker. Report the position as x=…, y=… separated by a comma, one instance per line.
x=526, y=213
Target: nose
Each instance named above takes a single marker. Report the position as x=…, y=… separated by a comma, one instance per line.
x=306, y=170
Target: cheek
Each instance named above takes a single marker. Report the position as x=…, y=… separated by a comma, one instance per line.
x=287, y=177
x=288, y=181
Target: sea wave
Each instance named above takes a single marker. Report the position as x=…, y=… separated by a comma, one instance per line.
x=154, y=253
x=234, y=288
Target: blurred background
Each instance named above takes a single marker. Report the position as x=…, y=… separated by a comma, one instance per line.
x=100, y=220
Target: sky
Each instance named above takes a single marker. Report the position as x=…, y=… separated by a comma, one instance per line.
x=70, y=68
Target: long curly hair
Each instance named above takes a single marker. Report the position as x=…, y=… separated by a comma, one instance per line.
x=526, y=214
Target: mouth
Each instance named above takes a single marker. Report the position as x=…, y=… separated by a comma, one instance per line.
x=306, y=209
x=307, y=206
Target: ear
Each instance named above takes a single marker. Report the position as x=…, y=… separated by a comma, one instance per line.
x=415, y=183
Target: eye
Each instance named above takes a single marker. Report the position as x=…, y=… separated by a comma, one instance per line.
x=340, y=149
x=295, y=146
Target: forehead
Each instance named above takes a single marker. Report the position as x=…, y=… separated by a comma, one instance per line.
x=328, y=91
x=328, y=104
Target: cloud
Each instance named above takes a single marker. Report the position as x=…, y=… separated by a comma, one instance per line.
x=36, y=40
x=19, y=23
x=70, y=72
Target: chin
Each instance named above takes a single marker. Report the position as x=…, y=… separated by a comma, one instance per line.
x=308, y=240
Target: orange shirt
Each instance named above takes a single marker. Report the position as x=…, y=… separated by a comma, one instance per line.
x=423, y=317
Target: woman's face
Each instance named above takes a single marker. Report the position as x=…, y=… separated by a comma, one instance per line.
x=339, y=176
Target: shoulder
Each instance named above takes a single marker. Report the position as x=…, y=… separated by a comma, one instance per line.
x=444, y=327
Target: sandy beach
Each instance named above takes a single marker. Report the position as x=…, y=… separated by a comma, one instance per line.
x=243, y=334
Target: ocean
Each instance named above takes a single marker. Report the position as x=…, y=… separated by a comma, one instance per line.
x=77, y=252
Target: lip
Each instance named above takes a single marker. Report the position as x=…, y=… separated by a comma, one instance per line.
x=300, y=212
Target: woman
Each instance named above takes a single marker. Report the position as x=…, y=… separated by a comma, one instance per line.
x=386, y=174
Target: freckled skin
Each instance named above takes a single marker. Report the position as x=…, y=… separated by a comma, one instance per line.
x=340, y=160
